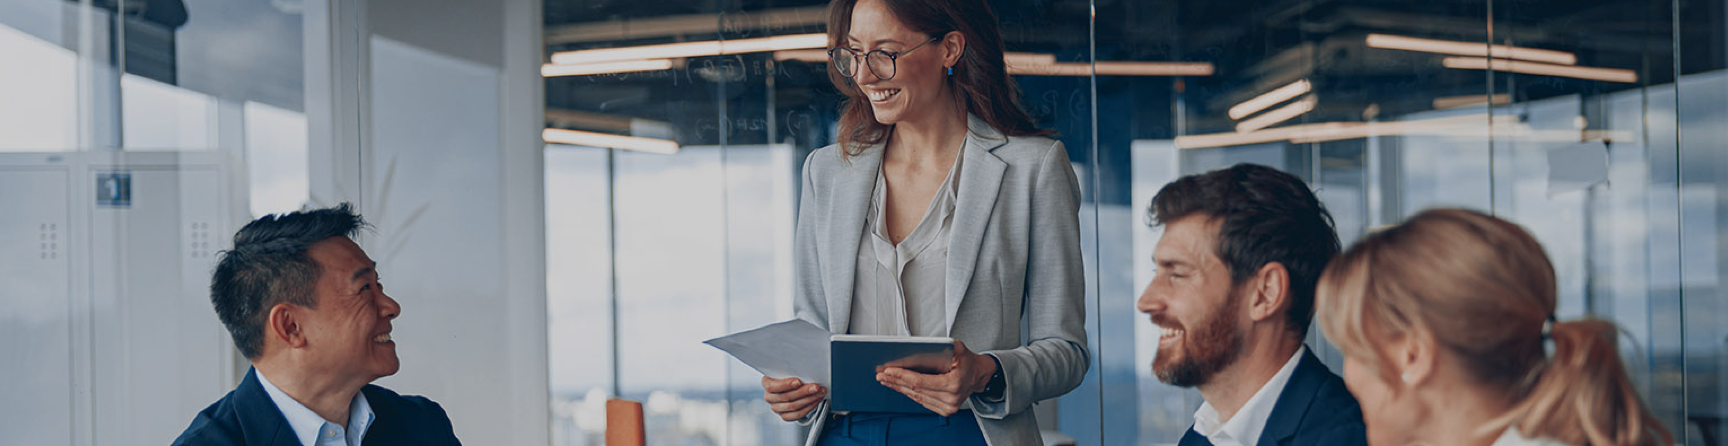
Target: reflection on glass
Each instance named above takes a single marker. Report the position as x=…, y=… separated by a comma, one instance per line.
x=113, y=340
x=578, y=312
x=38, y=93
x=1385, y=108
x=276, y=159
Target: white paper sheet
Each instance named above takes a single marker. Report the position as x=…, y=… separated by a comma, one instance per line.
x=793, y=348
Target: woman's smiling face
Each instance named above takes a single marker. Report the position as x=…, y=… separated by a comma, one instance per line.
x=916, y=86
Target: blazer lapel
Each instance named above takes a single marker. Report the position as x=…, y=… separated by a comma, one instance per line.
x=260, y=421
x=851, y=201
x=384, y=429
x=1293, y=403
x=980, y=180
x=1192, y=438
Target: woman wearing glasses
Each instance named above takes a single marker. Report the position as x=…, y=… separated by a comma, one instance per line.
x=941, y=211
x=1447, y=327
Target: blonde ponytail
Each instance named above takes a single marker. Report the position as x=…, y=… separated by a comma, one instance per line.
x=1486, y=291
x=1582, y=395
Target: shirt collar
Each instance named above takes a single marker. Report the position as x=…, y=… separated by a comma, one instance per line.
x=1244, y=428
x=360, y=418
x=307, y=424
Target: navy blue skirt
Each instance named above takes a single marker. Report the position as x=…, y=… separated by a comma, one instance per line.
x=899, y=429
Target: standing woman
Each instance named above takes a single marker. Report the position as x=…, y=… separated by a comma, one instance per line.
x=1449, y=338
x=941, y=211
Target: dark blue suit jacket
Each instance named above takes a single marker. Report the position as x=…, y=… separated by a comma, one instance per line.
x=247, y=416
x=1314, y=410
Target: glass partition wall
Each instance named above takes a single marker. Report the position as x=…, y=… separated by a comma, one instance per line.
x=1596, y=124
x=135, y=138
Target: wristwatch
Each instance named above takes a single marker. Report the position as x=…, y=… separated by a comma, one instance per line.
x=998, y=384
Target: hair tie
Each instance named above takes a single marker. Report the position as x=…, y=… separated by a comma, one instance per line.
x=1548, y=336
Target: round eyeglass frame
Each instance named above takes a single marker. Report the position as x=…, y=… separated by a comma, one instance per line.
x=893, y=58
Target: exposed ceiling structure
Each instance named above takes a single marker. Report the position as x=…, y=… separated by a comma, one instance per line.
x=1429, y=55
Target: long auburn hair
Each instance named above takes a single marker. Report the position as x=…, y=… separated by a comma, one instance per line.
x=980, y=81
x=1483, y=288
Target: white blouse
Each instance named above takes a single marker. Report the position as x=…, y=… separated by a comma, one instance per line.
x=1511, y=437
x=899, y=290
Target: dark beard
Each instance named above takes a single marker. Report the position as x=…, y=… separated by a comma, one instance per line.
x=1215, y=346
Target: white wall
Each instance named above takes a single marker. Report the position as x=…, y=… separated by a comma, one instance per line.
x=450, y=172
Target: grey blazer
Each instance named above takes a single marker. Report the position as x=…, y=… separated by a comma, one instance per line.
x=1015, y=281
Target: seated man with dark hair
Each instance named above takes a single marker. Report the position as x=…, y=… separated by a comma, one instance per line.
x=1237, y=269
x=304, y=304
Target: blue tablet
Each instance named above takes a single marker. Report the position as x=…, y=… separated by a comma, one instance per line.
x=855, y=359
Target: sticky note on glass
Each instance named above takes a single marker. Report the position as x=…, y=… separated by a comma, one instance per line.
x=1577, y=167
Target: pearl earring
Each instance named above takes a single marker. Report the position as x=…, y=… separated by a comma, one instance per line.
x=1408, y=378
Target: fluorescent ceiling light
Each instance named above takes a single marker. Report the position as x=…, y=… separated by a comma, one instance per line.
x=584, y=120
x=1113, y=69
x=1027, y=59
x=1477, y=125
x=592, y=139
x=1591, y=73
x=692, y=49
x=1445, y=102
x=1270, y=98
x=1334, y=131
x=687, y=25
x=1278, y=115
x=551, y=70
x=812, y=56
x=1154, y=68
x=1477, y=49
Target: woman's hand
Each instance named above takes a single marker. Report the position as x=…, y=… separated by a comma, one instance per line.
x=944, y=393
x=790, y=397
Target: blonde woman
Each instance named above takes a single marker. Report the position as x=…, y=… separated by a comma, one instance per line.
x=1449, y=337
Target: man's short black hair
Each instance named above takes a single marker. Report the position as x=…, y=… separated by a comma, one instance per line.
x=1267, y=216
x=268, y=265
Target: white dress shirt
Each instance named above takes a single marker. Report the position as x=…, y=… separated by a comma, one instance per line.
x=899, y=290
x=1243, y=429
x=1514, y=438
x=314, y=430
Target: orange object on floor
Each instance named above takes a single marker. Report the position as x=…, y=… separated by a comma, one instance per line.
x=624, y=423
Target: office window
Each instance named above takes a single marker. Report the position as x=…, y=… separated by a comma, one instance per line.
x=1372, y=103
x=130, y=147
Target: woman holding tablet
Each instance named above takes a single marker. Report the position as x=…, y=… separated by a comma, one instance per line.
x=941, y=211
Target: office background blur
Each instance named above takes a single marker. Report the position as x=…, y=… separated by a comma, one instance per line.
x=544, y=266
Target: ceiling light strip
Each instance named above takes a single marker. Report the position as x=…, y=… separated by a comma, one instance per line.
x=1472, y=125
x=692, y=49
x=1113, y=69
x=1278, y=115
x=1270, y=98
x=1477, y=49
x=629, y=66
x=607, y=140
x=1513, y=66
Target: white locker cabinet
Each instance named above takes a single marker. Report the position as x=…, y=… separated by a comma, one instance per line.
x=108, y=335
x=35, y=307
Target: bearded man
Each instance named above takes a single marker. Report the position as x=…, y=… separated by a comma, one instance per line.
x=1233, y=295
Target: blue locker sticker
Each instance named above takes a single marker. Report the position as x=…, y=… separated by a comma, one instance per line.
x=114, y=189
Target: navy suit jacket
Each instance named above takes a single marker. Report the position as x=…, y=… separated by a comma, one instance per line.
x=1314, y=410
x=247, y=416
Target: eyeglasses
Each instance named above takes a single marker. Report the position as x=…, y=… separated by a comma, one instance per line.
x=881, y=63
